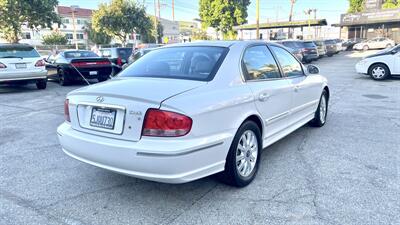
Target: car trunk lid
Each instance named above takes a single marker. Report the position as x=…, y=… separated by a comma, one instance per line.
x=116, y=109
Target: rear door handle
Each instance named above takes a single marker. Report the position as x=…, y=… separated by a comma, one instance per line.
x=263, y=97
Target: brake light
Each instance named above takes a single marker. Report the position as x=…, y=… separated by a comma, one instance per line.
x=66, y=110
x=83, y=64
x=40, y=63
x=2, y=66
x=160, y=123
x=119, y=61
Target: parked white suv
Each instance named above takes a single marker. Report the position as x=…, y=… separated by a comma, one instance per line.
x=22, y=64
x=376, y=43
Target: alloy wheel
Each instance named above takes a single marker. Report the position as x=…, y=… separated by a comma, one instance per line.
x=247, y=153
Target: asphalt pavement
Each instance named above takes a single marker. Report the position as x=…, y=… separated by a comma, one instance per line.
x=346, y=172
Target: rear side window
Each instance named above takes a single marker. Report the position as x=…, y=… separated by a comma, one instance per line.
x=290, y=66
x=18, y=52
x=259, y=64
x=190, y=63
x=105, y=53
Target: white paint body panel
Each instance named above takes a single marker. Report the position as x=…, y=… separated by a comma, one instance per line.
x=217, y=109
x=391, y=61
x=11, y=73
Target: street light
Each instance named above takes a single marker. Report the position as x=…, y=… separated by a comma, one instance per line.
x=73, y=10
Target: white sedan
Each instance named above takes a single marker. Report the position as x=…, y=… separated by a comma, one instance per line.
x=381, y=65
x=190, y=110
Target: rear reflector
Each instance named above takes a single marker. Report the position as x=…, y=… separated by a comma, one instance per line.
x=2, y=66
x=40, y=63
x=66, y=110
x=84, y=64
x=160, y=123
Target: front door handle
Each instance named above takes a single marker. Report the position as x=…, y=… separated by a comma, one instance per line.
x=296, y=88
x=263, y=97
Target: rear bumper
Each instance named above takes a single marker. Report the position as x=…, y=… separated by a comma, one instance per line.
x=311, y=56
x=151, y=158
x=23, y=76
x=101, y=72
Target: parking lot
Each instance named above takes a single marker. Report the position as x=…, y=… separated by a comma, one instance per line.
x=346, y=172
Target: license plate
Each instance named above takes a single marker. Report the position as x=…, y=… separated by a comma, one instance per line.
x=103, y=118
x=93, y=73
x=20, y=65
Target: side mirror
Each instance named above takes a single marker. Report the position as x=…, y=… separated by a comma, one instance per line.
x=312, y=69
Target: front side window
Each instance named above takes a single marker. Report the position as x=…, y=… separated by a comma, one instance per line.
x=259, y=64
x=190, y=63
x=290, y=66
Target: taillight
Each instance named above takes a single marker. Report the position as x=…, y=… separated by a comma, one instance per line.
x=83, y=64
x=160, y=123
x=2, y=66
x=40, y=63
x=66, y=110
x=119, y=61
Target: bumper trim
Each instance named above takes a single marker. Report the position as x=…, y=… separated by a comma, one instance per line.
x=152, y=154
x=24, y=78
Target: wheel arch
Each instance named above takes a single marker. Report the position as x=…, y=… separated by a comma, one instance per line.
x=377, y=63
x=326, y=88
x=257, y=120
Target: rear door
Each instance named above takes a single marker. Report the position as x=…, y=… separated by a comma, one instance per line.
x=272, y=92
x=305, y=89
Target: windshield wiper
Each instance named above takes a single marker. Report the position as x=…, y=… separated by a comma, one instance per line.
x=10, y=56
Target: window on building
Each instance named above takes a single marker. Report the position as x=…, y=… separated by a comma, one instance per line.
x=65, y=20
x=26, y=35
x=69, y=36
x=138, y=37
x=79, y=36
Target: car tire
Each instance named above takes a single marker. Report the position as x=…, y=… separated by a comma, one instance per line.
x=62, y=78
x=41, y=84
x=389, y=46
x=365, y=48
x=379, y=71
x=329, y=55
x=243, y=158
x=322, y=111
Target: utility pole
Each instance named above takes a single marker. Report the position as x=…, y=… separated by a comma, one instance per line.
x=308, y=12
x=75, y=38
x=315, y=18
x=292, y=2
x=155, y=21
x=173, y=10
x=158, y=8
x=258, y=19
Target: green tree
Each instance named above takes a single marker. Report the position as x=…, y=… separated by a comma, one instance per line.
x=356, y=6
x=55, y=38
x=149, y=37
x=98, y=38
x=223, y=15
x=391, y=4
x=120, y=18
x=200, y=35
x=35, y=14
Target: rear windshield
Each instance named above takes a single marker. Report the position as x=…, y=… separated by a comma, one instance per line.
x=190, y=63
x=124, y=52
x=309, y=44
x=18, y=52
x=79, y=54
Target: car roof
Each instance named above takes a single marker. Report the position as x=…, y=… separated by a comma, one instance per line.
x=14, y=45
x=225, y=44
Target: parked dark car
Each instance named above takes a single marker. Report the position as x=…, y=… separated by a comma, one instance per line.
x=320, y=47
x=118, y=57
x=331, y=47
x=71, y=65
x=349, y=44
x=310, y=51
x=296, y=48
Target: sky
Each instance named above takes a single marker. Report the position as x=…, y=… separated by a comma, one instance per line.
x=270, y=10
